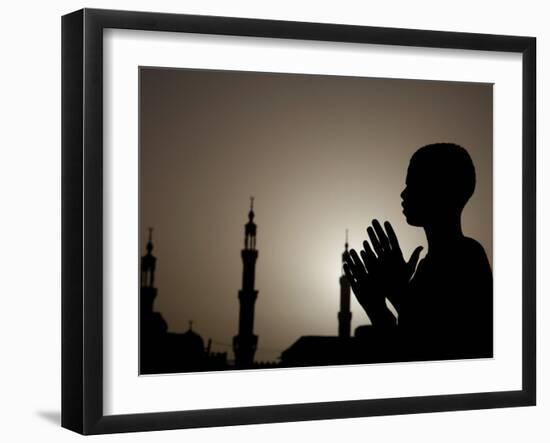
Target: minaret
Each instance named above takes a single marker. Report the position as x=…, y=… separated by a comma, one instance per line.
x=148, y=290
x=152, y=327
x=344, y=316
x=148, y=262
x=244, y=343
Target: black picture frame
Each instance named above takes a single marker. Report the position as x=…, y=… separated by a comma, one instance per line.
x=82, y=219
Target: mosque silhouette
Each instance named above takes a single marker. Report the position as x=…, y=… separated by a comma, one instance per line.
x=166, y=352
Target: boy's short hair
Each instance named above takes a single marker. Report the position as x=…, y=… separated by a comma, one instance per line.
x=449, y=167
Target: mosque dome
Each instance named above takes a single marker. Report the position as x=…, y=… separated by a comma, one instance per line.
x=192, y=341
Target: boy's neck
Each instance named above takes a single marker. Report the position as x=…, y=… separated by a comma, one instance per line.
x=443, y=234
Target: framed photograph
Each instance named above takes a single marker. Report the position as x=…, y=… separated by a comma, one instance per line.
x=268, y=221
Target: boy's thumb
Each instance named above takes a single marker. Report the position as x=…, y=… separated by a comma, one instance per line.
x=413, y=261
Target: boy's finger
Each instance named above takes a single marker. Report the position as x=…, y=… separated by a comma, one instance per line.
x=394, y=243
x=384, y=242
x=375, y=242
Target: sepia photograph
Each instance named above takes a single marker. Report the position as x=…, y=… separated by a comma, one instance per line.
x=291, y=220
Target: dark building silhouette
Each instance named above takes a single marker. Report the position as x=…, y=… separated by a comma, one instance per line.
x=245, y=343
x=368, y=345
x=165, y=352
x=344, y=316
x=160, y=350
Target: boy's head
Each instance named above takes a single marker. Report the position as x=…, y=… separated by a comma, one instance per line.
x=440, y=180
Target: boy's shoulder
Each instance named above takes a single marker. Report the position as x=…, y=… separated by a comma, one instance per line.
x=472, y=245
x=472, y=249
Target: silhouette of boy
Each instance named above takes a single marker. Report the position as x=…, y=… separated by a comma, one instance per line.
x=445, y=305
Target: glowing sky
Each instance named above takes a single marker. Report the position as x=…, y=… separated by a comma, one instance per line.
x=320, y=154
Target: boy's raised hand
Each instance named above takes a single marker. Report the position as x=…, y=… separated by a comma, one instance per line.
x=380, y=272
